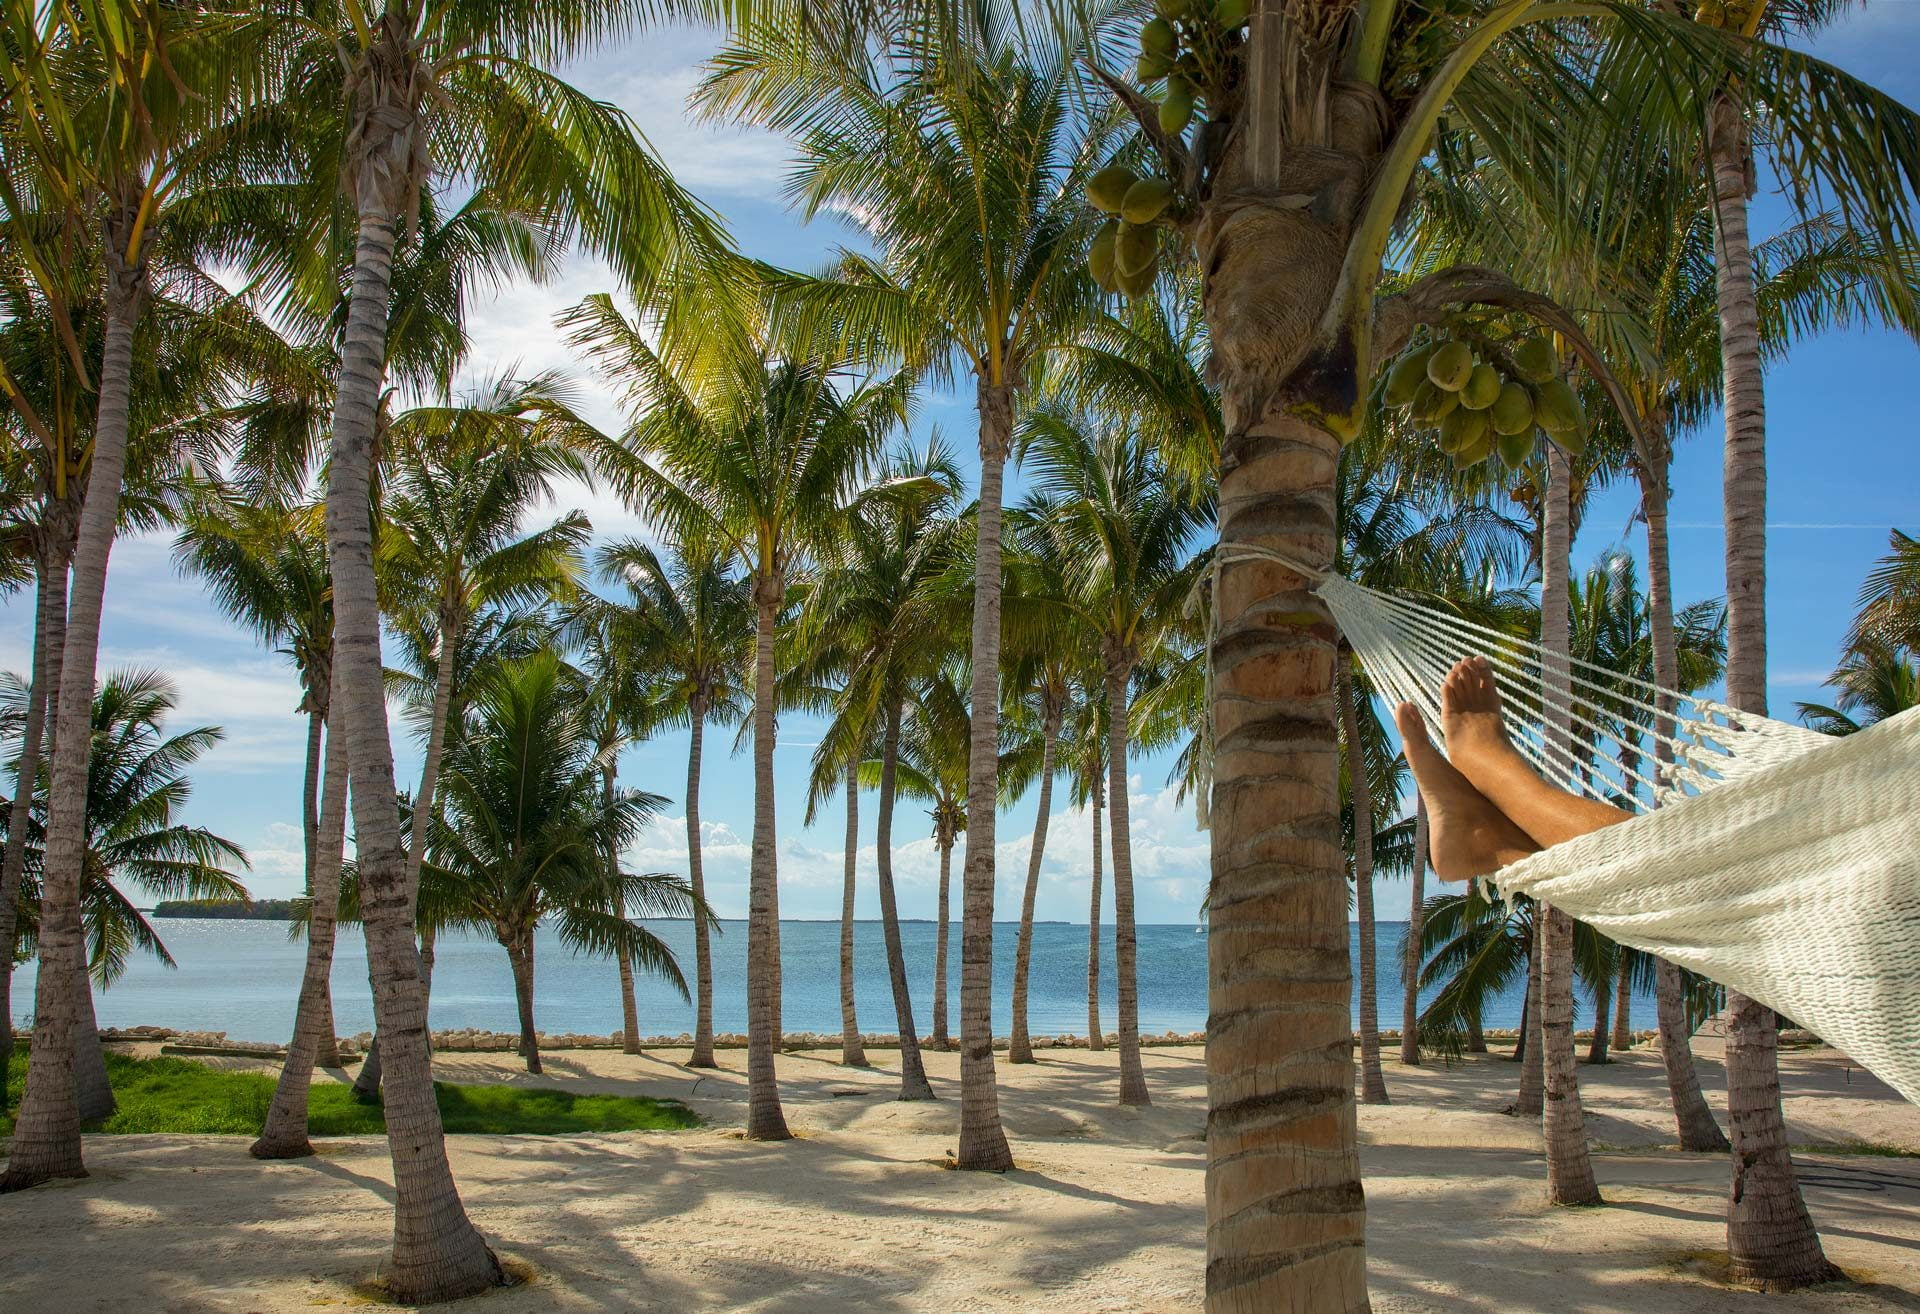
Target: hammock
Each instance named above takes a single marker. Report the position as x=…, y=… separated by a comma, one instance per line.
x=1777, y=861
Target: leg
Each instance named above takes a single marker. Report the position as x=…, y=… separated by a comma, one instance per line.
x=1467, y=835
x=1477, y=744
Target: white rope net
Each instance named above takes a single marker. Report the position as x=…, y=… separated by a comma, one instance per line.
x=1780, y=862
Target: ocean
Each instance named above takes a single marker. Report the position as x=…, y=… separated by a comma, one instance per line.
x=242, y=977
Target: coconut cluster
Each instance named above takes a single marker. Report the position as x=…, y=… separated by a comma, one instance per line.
x=1185, y=49
x=1483, y=397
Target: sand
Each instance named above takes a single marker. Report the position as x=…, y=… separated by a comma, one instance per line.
x=1104, y=1212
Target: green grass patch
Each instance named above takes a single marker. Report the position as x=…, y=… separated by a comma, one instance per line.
x=179, y=1096
x=1875, y=1148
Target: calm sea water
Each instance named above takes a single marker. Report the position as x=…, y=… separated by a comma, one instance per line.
x=242, y=977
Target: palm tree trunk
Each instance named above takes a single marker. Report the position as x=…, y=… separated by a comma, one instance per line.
x=1770, y=1237
x=1126, y=970
x=437, y=1253
x=702, y=1056
x=1531, y=1101
x=629, y=1009
x=913, y=1077
x=326, y=1053
x=436, y=745
x=1285, y=1211
x=1096, y=1037
x=1019, y=1046
x=1569, y=1167
x=1602, y=1006
x=1623, y=1003
x=765, y=1121
x=46, y=1134
x=49, y=636
x=853, y=1051
x=983, y=1141
x=1410, y=948
x=93, y=1092
x=1476, y=1038
x=942, y=921
x=1373, y=1085
x=285, y=1134
x=519, y=946
x=1693, y=1119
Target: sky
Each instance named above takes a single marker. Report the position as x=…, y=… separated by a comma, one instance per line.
x=1844, y=452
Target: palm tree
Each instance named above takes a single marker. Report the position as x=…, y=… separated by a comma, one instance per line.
x=465, y=87
x=528, y=827
x=895, y=118
x=266, y=567
x=1124, y=527
x=1875, y=681
x=764, y=454
x=1339, y=104
x=688, y=625
x=1084, y=754
x=137, y=786
x=1890, y=597
x=104, y=134
x=865, y=625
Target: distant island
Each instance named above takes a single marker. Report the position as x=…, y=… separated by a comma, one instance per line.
x=255, y=910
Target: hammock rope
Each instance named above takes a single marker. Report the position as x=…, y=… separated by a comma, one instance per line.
x=1780, y=862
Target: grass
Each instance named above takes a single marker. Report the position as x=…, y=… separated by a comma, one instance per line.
x=178, y=1096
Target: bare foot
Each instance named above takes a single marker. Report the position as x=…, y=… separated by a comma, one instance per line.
x=1477, y=742
x=1467, y=835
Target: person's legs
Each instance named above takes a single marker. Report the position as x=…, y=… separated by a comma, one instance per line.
x=1467, y=835
x=1477, y=745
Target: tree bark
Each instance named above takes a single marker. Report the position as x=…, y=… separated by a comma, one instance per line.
x=1602, y=1006
x=942, y=921
x=983, y=1141
x=1531, y=1101
x=1771, y=1241
x=1623, y=1005
x=765, y=1120
x=913, y=1077
x=46, y=1135
x=1410, y=949
x=1126, y=970
x=327, y=1052
x=853, y=1050
x=1019, y=1045
x=1569, y=1167
x=1096, y=1039
x=702, y=1056
x=93, y=1091
x=437, y=1252
x=1286, y=1215
x=1373, y=1084
x=519, y=946
x=49, y=636
x=1476, y=1039
x=629, y=1008
x=285, y=1134
x=1693, y=1120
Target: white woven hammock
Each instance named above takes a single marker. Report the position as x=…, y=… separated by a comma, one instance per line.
x=1780, y=862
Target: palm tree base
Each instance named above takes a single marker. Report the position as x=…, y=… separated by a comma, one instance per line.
x=20, y=1178
x=444, y=1278
x=703, y=1061
x=275, y=1149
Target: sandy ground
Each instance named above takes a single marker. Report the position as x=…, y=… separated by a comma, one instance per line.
x=1104, y=1213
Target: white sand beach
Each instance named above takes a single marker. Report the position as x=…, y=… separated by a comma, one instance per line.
x=1104, y=1214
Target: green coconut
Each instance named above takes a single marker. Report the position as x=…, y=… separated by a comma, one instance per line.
x=1157, y=38
x=1134, y=249
x=1146, y=200
x=1512, y=410
x=1483, y=388
x=1230, y=14
x=1472, y=453
x=1450, y=366
x=1516, y=449
x=1100, y=256
x=1536, y=360
x=1461, y=428
x=1176, y=108
x=1149, y=69
x=1558, y=409
x=1140, y=281
x=1406, y=376
x=1107, y=189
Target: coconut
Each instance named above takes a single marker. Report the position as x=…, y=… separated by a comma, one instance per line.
x=1230, y=14
x=1140, y=281
x=1146, y=200
x=1107, y=189
x=1536, y=360
x=1450, y=366
x=1100, y=256
x=1516, y=449
x=1558, y=409
x=1176, y=109
x=1157, y=38
x=1483, y=387
x=1461, y=428
x=1406, y=376
x=1512, y=410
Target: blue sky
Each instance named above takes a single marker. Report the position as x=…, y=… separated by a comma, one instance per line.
x=1844, y=451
